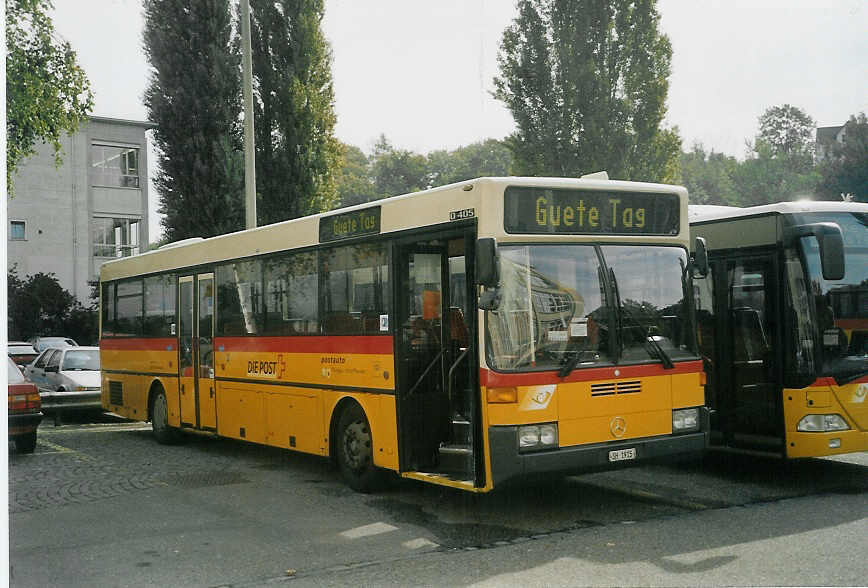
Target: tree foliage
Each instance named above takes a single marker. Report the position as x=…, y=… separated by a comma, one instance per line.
x=390, y=171
x=47, y=93
x=397, y=171
x=780, y=166
x=586, y=82
x=353, y=179
x=788, y=131
x=708, y=176
x=846, y=170
x=296, y=151
x=484, y=158
x=193, y=97
x=39, y=305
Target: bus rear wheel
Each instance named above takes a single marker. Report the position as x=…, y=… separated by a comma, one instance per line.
x=355, y=450
x=163, y=432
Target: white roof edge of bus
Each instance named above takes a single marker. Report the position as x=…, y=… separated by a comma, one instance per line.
x=552, y=182
x=708, y=212
x=181, y=242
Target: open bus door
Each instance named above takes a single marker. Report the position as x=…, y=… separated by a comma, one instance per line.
x=437, y=389
x=746, y=378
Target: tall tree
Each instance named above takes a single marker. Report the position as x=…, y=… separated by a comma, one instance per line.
x=194, y=98
x=297, y=153
x=47, y=93
x=846, y=170
x=787, y=130
x=586, y=82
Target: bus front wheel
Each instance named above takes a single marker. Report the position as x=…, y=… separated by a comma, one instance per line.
x=163, y=433
x=355, y=450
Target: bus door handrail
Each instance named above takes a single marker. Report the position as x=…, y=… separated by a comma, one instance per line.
x=425, y=373
x=452, y=370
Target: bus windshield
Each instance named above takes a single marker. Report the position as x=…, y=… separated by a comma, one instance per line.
x=589, y=305
x=840, y=307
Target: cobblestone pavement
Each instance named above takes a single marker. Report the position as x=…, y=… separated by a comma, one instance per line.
x=90, y=462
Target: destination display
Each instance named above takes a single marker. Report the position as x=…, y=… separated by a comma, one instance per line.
x=351, y=224
x=587, y=212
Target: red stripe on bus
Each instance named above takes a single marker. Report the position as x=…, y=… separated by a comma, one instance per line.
x=829, y=382
x=371, y=344
x=851, y=323
x=139, y=344
x=492, y=379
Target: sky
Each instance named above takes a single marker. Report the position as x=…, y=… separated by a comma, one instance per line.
x=421, y=72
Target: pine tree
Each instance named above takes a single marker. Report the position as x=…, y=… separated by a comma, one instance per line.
x=586, y=82
x=194, y=99
x=297, y=154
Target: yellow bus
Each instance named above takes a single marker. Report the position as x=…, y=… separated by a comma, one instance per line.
x=783, y=321
x=464, y=336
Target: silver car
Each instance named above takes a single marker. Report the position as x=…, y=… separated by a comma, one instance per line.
x=67, y=378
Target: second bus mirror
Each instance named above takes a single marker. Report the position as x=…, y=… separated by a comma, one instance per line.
x=831, y=243
x=700, y=258
x=487, y=267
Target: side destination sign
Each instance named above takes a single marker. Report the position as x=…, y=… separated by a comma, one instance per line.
x=589, y=212
x=350, y=224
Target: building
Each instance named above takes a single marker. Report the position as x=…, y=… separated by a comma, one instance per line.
x=827, y=138
x=68, y=220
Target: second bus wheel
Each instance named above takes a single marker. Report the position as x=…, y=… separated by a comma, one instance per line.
x=355, y=450
x=163, y=433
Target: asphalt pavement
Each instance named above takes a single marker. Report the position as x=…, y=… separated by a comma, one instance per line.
x=100, y=503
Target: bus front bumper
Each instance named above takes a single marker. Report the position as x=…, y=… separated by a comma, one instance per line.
x=508, y=463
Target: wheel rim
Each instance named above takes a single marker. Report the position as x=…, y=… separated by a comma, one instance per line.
x=160, y=412
x=357, y=446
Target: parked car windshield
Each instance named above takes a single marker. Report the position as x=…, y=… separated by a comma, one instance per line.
x=43, y=343
x=15, y=376
x=80, y=360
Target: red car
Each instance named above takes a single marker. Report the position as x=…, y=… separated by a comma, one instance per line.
x=25, y=410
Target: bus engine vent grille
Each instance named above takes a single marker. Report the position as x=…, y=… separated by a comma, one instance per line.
x=116, y=393
x=610, y=388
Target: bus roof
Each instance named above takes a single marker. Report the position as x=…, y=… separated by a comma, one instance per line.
x=436, y=206
x=698, y=213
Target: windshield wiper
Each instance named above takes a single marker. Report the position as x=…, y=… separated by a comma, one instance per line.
x=844, y=380
x=570, y=364
x=650, y=343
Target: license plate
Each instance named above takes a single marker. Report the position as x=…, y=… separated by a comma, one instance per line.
x=622, y=454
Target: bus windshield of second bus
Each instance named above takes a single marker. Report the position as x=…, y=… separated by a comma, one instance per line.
x=832, y=319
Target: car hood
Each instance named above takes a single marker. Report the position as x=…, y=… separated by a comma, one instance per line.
x=89, y=379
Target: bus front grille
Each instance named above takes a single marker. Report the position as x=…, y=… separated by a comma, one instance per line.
x=610, y=388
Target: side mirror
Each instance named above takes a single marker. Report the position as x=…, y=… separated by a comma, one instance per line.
x=700, y=258
x=831, y=243
x=487, y=267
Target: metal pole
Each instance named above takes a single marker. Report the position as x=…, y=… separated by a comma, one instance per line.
x=249, y=141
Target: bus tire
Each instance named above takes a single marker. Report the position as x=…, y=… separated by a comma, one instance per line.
x=355, y=450
x=26, y=443
x=163, y=433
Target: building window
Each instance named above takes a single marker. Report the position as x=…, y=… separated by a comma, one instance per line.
x=115, y=237
x=115, y=166
x=17, y=230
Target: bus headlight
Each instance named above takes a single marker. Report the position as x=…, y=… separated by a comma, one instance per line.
x=820, y=423
x=535, y=437
x=685, y=420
